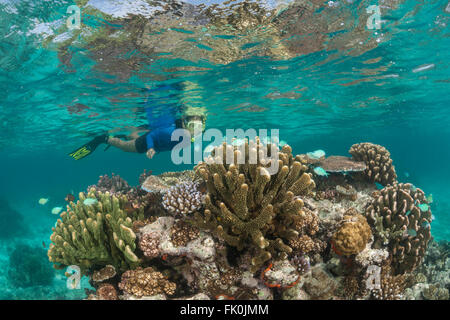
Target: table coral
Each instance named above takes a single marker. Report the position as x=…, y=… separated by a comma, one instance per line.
x=146, y=282
x=340, y=164
x=378, y=161
x=95, y=235
x=246, y=206
x=353, y=235
x=400, y=222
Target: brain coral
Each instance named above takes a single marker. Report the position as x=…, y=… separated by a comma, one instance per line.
x=378, y=161
x=401, y=217
x=352, y=236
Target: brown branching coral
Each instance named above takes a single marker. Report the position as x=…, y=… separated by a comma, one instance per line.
x=391, y=287
x=401, y=218
x=352, y=236
x=96, y=231
x=183, y=198
x=378, y=161
x=146, y=282
x=248, y=207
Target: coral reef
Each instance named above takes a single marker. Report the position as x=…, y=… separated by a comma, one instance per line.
x=378, y=161
x=246, y=206
x=95, y=235
x=231, y=230
x=401, y=217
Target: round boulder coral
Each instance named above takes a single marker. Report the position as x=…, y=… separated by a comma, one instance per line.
x=352, y=236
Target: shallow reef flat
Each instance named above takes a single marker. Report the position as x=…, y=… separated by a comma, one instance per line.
x=319, y=228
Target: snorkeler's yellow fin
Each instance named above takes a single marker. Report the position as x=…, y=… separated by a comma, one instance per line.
x=81, y=152
x=89, y=147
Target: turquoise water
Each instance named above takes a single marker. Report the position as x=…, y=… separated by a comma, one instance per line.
x=341, y=84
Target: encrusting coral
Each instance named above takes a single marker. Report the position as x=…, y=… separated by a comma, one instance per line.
x=95, y=233
x=401, y=217
x=146, y=282
x=378, y=161
x=353, y=235
x=246, y=206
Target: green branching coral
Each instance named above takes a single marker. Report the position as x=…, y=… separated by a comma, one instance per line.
x=248, y=207
x=401, y=218
x=96, y=231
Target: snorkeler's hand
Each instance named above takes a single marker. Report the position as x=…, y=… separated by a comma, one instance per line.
x=150, y=153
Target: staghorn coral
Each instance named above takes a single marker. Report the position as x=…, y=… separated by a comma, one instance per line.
x=246, y=206
x=353, y=235
x=378, y=161
x=97, y=234
x=401, y=219
x=183, y=198
x=146, y=282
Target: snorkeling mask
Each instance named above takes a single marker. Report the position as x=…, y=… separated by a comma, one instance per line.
x=195, y=124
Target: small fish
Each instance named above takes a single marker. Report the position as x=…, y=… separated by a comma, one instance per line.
x=43, y=201
x=43, y=244
x=56, y=210
x=413, y=188
x=379, y=186
x=316, y=154
x=69, y=197
x=426, y=224
x=283, y=143
x=90, y=201
x=430, y=198
x=433, y=217
x=412, y=232
x=423, y=207
x=407, y=174
x=320, y=171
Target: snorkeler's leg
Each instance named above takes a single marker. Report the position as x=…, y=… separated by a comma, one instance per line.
x=127, y=146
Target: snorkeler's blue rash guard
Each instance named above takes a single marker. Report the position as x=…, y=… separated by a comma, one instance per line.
x=160, y=139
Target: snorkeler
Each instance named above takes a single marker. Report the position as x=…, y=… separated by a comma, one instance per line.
x=155, y=140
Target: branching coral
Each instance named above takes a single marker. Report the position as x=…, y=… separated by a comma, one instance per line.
x=146, y=282
x=95, y=234
x=352, y=236
x=378, y=161
x=183, y=198
x=391, y=287
x=246, y=206
x=401, y=219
